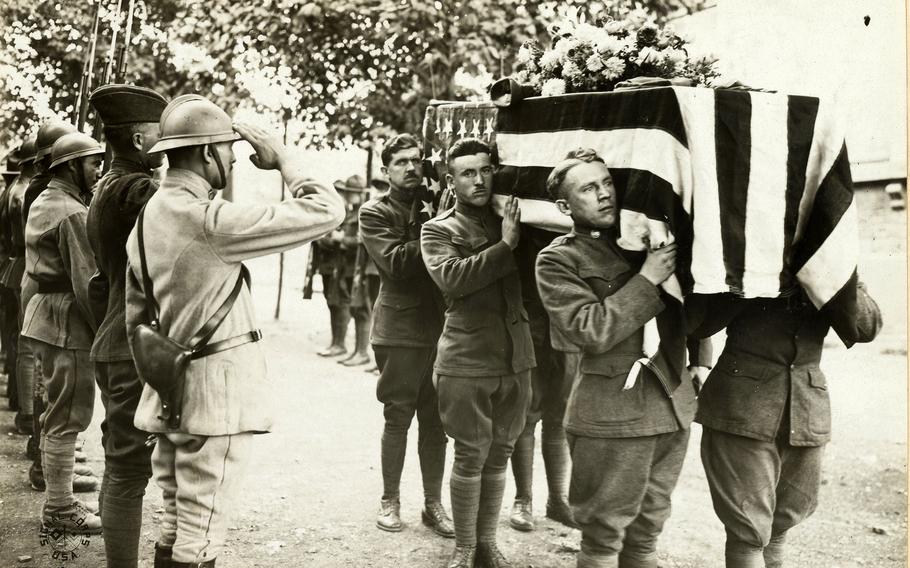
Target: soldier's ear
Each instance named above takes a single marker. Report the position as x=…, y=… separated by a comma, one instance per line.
x=450, y=180
x=138, y=138
x=564, y=207
x=384, y=170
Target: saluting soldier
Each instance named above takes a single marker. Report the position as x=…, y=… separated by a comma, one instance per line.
x=130, y=115
x=185, y=259
x=766, y=415
x=83, y=478
x=406, y=324
x=8, y=310
x=627, y=429
x=58, y=319
x=485, y=350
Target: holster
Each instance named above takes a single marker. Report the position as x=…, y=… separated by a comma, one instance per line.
x=162, y=363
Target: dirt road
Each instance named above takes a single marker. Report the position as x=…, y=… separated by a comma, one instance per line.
x=313, y=489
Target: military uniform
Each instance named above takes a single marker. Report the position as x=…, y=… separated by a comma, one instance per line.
x=407, y=319
x=8, y=309
x=336, y=266
x=627, y=446
x=484, y=361
x=767, y=416
x=118, y=197
x=194, y=248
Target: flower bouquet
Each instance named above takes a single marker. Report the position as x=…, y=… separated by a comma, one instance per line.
x=586, y=57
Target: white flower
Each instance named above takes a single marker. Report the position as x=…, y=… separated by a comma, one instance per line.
x=594, y=63
x=647, y=55
x=613, y=68
x=553, y=87
x=608, y=45
x=676, y=56
x=522, y=77
x=524, y=55
x=565, y=44
x=550, y=60
x=571, y=71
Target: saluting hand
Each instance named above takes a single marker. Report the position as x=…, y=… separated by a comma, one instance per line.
x=511, y=223
x=659, y=264
x=268, y=147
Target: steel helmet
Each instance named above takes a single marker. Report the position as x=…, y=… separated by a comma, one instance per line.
x=192, y=120
x=74, y=145
x=27, y=151
x=49, y=132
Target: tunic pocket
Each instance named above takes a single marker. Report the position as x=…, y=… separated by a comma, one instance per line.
x=398, y=316
x=600, y=399
x=819, y=403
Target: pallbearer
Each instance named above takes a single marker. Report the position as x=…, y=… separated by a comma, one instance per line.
x=485, y=351
x=627, y=431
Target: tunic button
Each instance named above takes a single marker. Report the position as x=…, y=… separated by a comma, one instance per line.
x=792, y=367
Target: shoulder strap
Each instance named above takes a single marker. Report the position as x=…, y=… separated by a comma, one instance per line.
x=203, y=336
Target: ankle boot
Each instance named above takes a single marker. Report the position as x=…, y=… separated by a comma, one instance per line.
x=360, y=356
x=557, y=464
x=206, y=564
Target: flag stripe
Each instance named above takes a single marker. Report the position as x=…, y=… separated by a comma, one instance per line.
x=645, y=108
x=732, y=121
x=764, y=228
x=825, y=272
x=801, y=116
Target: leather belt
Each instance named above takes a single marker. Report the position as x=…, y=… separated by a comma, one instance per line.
x=226, y=344
x=59, y=287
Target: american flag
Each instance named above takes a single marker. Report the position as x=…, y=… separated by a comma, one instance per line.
x=754, y=186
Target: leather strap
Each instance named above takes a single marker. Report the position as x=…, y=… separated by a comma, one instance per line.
x=198, y=343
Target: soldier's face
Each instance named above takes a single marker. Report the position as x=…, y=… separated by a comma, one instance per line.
x=91, y=169
x=590, y=197
x=471, y=178
x=146, y=136
x=405, y=169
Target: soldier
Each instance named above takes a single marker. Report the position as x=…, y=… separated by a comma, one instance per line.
x=766, y=415
x=83, y=478
x=485, y=351
x=627, y=430
x=58, y=319
x=406, y=324
x=551, y=381
x=130, y=116
x=185, y=265
x=341, y=247
x=13, y=281
x=8, y=310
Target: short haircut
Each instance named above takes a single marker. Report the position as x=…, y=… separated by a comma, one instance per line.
x=469, y=147
x=397, y=144
x=121, y=137
x=558, y=176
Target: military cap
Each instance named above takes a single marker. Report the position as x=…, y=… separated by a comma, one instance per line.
x=11, y=164
x=27, y=150
x=354, y=184
x=49, y=132
x=118, y=104
x=74, y=145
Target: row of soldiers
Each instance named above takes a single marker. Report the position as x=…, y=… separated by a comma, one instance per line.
x=481, y=328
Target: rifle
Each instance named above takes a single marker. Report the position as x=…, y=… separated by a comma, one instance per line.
x=311, y=263
x=124, y=46
x=85, y=82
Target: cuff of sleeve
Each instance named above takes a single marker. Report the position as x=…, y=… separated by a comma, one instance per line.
x=650, y=290
x=503, y=257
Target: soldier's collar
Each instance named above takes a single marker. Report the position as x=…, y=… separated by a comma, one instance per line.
x=405, y=195
x=474, y=212
x=195, y=183
x=127, y=165
x=70, y=189
x=609, y=234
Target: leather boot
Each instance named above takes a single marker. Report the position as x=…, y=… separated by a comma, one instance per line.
x=163, y=556
x=339, y=324
x=462, y=557
x=774, y=552
x=23, y=423
x=389, y=518
x=522, y=458
x=206, y=564
x=360, y=356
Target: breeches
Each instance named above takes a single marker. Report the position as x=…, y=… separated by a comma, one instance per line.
x=620, y=489
x=484, y=415
x=124, y=445
x=760, y=488
x=68, y=380
x=200, y=478
x=405, y=387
